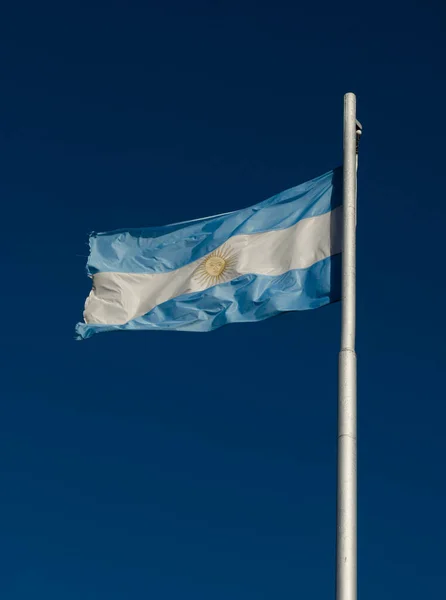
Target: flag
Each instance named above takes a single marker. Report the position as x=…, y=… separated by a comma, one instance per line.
x=282, y=254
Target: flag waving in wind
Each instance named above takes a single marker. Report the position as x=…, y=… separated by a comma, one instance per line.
x=280, y=255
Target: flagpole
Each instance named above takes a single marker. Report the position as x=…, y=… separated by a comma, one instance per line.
x=346, y=531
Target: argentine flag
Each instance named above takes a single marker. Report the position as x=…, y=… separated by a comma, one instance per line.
x=280, y=255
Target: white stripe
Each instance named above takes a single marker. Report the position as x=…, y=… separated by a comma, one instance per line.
x=117, y=298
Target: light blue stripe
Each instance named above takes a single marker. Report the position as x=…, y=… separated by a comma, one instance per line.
x=248, y=298
x=162, y=249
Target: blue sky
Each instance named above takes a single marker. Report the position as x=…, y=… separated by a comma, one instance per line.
x=168, y=465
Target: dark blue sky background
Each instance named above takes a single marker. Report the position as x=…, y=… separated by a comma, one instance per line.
x=202, y=466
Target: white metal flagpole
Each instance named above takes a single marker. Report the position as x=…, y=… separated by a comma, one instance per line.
x=346, y=531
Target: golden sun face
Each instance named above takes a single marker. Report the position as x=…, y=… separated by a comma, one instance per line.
x=218, y=267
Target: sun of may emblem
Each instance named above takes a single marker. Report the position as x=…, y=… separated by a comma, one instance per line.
x=217, y=267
